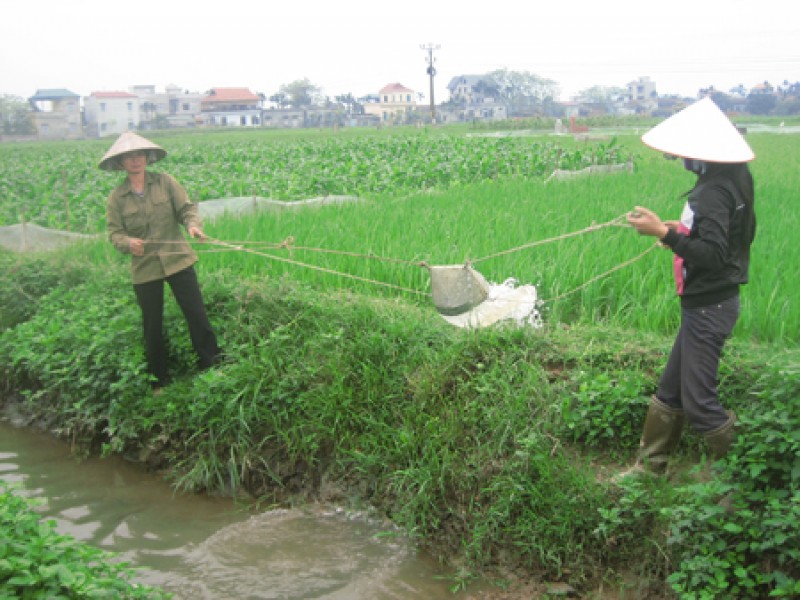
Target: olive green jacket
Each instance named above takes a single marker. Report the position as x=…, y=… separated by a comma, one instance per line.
x=156, y=218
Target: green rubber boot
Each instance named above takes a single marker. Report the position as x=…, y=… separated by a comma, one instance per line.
x=720, y=440
x=663, y=427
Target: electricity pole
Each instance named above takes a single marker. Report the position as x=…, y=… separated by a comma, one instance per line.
x=429, y=48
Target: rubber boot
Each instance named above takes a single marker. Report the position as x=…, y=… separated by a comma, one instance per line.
x=663, y=427
x=720, y=440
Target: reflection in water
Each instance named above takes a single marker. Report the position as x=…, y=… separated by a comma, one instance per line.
x=202, y=547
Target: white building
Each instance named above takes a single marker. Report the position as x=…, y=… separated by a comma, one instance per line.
x=110, y=113
x=642, y=89
x=395, y=102
x=231, y=107
x=175, y=107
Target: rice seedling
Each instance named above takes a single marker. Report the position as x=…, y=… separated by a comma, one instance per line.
x=469, y=223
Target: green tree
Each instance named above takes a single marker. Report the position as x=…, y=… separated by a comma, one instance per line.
x=281, y=99
x=523, y=91
x=723, y=100
x=14, y=116
x=301, y=93
x=761, y=104
x=788, y=106
x=602, y=94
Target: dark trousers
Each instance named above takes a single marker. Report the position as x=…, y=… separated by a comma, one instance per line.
x=186, y=290
x=689, y=380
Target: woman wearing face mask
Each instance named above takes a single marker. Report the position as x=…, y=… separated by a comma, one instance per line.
x=711, y=246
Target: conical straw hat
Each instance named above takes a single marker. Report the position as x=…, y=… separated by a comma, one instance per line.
x=128, y=142
x=700, y=131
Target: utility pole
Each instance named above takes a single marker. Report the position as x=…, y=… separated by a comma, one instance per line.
x=429, y=48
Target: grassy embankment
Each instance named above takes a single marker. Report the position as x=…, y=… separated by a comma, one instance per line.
x=490, y=447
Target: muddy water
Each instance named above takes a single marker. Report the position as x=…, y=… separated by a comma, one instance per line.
x=201, y=547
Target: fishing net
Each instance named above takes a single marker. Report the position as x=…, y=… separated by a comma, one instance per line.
x=562, y=174
x=29, y=237
x=465, y=299
x=246, y=205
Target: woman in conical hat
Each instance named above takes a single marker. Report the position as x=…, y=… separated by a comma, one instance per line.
x=130, y=142
x=144, y=216
x=711, y=247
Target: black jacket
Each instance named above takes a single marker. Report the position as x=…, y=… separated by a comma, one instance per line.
x=716, y=251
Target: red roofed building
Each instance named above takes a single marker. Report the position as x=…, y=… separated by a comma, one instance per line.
x=395, y=102
x=110, y=113
x=237, y=107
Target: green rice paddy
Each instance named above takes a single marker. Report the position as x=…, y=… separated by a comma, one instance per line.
x=440, y=197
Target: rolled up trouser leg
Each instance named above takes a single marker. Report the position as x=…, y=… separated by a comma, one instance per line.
x=663, y=427
x=720, y=440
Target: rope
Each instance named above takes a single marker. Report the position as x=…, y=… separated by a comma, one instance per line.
x=314, y=267
x=288, y=244
x=605, y=274
x=617, y=221
x=369, y=256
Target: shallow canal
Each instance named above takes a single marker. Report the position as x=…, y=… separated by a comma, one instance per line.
x=201, y=547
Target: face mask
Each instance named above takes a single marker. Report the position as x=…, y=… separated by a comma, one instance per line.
x=695, y=166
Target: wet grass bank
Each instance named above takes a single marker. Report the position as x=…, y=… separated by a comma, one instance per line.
x=490, y=448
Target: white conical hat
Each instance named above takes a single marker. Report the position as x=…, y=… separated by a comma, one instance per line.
x=128, y=142
x=700, y=131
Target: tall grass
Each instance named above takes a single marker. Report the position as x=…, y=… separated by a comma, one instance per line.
x=472, y=222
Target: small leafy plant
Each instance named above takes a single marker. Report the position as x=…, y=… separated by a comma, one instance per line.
x=738, y=536
x=38, y=562
x=605, y=408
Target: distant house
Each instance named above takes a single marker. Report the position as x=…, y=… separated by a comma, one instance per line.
x=473, y=89
x=762, y=89
x=643, y=88
x=642, y=96
x=477, y=98
x=283, y=118
x=488, y=110
x=571, y=108
x=232, y=107
x=395, y=103
x=669, y=105
x=110, y=113
x=56, y=114
x=173, y=107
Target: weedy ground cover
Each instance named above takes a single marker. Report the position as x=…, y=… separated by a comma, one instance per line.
x=491, y=448
x=37, y=562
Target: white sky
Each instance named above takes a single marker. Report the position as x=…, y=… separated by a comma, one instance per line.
x=359, y=46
